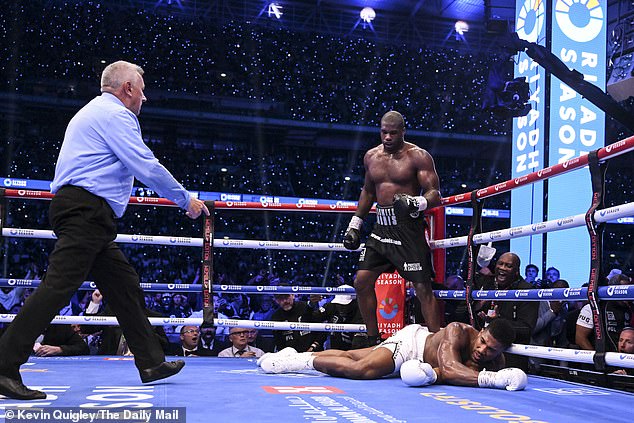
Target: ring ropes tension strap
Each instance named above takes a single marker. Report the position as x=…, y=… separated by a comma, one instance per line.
x=597, y=176
x=208, y=266
x=472, y=252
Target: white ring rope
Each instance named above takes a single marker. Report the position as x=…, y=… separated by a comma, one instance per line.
x=197, y=321
x=191, y=242
x=606, y=293
x=567, y=354
x=603, y=215
x=578, y=356
x=600, y=216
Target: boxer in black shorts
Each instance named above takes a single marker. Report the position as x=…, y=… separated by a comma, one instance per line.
x=398, y=242
x=401, y=178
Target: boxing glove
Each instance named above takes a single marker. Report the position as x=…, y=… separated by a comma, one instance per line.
x=352, y=238
x=511, y=379
x=417, y=373
x=407, y=204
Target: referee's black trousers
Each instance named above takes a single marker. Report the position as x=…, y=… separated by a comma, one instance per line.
x=85, y=228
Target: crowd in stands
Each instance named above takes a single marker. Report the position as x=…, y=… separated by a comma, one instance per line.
x=299, y=76
x=167, y=264
x=562, y=324
x=303, y=76
x=312, y=173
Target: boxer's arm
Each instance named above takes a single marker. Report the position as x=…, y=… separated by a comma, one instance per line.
x=582, y=337
x=427, y=178
x=367, y=198
x=452, y=369
x=352, y=236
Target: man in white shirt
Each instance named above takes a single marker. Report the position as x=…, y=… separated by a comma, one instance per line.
x=102, y=153
x=240, y=347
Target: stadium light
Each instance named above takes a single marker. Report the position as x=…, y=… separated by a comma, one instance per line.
x=275, y=10
x=367, y=14
x=461, y=27
x=458, y=31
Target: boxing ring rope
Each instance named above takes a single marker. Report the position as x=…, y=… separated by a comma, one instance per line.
x=605, y=153
x=600, y=216
x=613, y=150
x=566, y=354
x=189, y=241
x=606, y=293
x=569, y=354
x=340, y=207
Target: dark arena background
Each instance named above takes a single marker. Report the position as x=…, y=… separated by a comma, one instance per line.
x=280, y=100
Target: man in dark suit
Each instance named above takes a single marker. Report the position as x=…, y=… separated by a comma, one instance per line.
x=189, y=345
x=521, y=314
x=112, y=340
x=207, y=339
x=60, y=340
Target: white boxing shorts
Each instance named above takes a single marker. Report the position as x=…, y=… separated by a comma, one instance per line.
x=406, y=344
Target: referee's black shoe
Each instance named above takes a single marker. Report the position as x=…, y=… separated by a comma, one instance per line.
x=163, y=370
x=15, y=389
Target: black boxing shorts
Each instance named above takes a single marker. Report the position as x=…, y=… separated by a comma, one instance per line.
x=398, y=242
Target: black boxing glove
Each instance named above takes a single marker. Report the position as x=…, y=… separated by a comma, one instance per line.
x=352, y=238
x=408, y=204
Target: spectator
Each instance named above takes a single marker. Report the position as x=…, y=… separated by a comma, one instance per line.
x=616, y=316
x=521, y=314
x=237, y=306
x=550, y=328
x=626, y=346
x=165, y=306
x=264, y=308
x=9, y=297
x=343, y=309
x=113, y=341
x=263, y=312
x=552, y=275
x=189, y=345
x=93, y=340
x=574, y=309
x=70, y=309
x=180, y=308
x=60, y=340
x=208, y=340
x=252, y=337
x=455, y=282
x=295, y=311
x=530, y=275
x=239, y=345
x=455, y=310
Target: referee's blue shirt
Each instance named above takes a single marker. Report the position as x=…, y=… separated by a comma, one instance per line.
x=103, y=152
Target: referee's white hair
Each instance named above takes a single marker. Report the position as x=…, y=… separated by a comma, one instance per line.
x=115, y=74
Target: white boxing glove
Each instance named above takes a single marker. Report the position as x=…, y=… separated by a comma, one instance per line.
x=511, y=379
x=417, y=373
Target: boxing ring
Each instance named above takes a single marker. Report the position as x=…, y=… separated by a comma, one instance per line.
x=233, y=383
x=236, y=390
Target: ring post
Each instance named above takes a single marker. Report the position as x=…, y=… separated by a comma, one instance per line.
x=208, y=266
x=437, y=226
x=472, y=252
x=597, y=175
x=3, y=209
